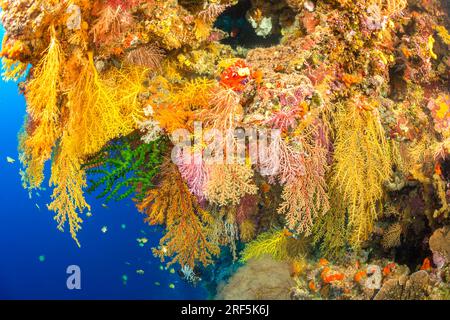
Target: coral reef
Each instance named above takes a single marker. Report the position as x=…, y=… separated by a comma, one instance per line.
x=378, y=280
x=283, y=133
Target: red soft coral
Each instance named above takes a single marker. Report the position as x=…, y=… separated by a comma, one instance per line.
x=236, y=76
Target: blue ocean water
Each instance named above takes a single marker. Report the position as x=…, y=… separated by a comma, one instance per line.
x=34, y=255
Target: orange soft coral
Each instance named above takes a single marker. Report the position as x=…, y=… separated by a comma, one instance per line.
x=188, y=225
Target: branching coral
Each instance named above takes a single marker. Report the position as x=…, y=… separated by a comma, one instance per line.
x=125, y=167
x=391, y=237
x=225, y=230
x=195, y=172
x=305, y=197
x=277, y=243
x=330, y=231
x=112, y=22
x=247, y=230
x=95, y=111
x=226, y=111
x=111, y=101
x=13, y=70
x=273, y=243
x=282, y=160
x=188, y=225
x=362, y=164
x=353, y=101
x=149, y=56
x=44, y=113
x=212, y=11
x=228, y=183
x=391, y=7
x=69, y=181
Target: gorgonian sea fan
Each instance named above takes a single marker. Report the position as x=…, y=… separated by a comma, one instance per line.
x=111, y=23
x=125, y=4
x=195, y=172
x=282, y=161
x=212, y=11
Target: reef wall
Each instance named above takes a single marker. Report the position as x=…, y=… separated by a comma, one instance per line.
x=313, y=132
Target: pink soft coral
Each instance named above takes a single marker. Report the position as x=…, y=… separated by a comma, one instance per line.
x=282, y=160
x=125, y=4
x=194, y=172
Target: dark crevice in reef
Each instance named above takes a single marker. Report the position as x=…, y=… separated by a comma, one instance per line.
x=397, y=82
x=445, y=167
x=413, y=249
x=191, y=5
x=241, y=33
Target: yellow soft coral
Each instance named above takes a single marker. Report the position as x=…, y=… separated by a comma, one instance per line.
x=193, y=94
x=43, y=110
x=273, y=243
x=103, y=108
x=362, y=164
x=228, y=183
x=277, y=243
x=440, y=187
x=331, y=232
x=173, y=105
x=92, y=111
x=69, y=180
x=13, y=70
x=443, y=34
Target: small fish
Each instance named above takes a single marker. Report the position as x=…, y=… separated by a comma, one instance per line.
x=217, y=35
x=37, y=206
x=123, y=226
x=41, y=258
x=38, y=194
x=89, y=214
x=171, y=286
x=161, y=267
x=142, y=240
x=172, y=270
x=140, y=272
x=157, y=283
x=104, y=206
x=234, y=33
x=104, y=229
x=124, y=279
x=10, y=160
